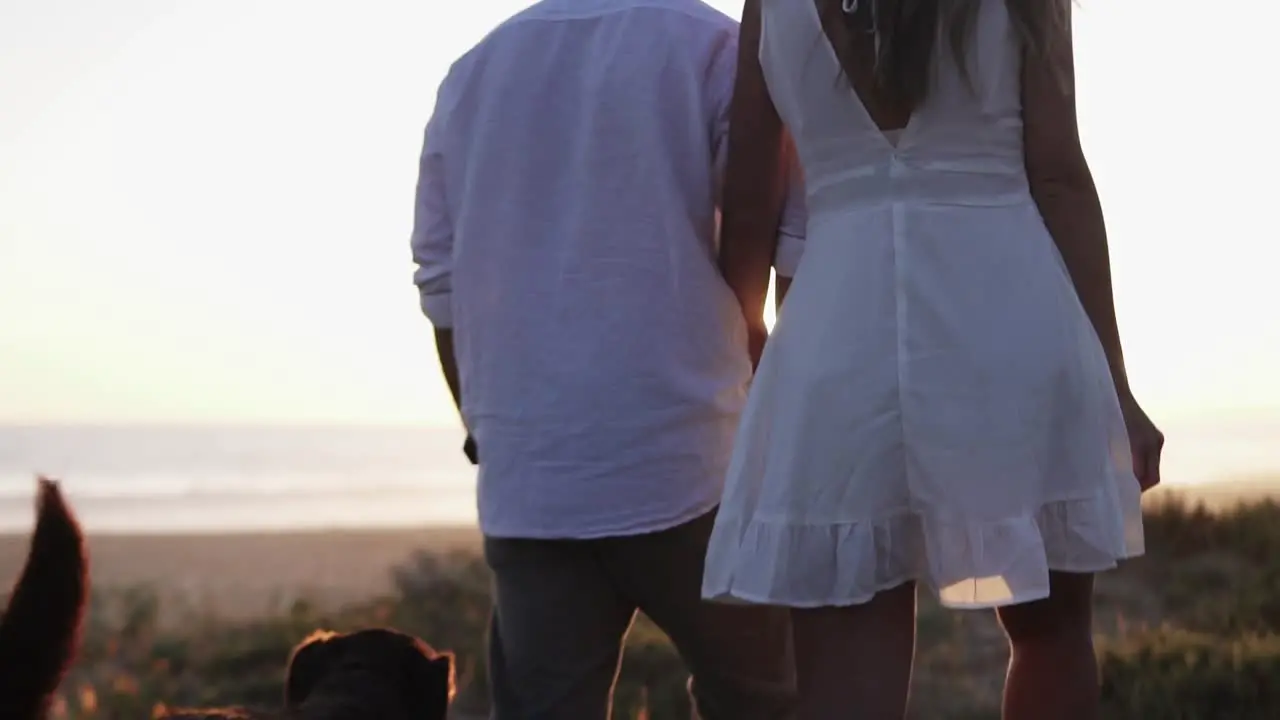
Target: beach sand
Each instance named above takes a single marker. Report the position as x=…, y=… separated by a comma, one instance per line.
x=243, y=575
x=246, y=575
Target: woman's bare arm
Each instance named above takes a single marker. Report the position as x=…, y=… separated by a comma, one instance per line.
x=754, y=185
x=1063, y=187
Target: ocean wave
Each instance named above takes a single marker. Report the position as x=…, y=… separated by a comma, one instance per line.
x=141, y=488
x=232, y=513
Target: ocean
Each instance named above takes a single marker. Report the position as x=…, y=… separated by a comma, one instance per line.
x=220, y=479
x=135, y=479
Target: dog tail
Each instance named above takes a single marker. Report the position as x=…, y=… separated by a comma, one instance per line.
x=40, y=632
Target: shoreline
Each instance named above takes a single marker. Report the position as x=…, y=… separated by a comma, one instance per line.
x=235, y=574
x=450, y=532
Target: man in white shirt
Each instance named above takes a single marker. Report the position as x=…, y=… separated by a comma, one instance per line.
x=565, y=237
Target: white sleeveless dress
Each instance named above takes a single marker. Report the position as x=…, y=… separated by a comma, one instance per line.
x=933, y=403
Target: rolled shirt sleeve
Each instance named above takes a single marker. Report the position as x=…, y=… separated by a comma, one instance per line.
x=432, y=239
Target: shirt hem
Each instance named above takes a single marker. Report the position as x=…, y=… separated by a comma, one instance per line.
x=599, y=533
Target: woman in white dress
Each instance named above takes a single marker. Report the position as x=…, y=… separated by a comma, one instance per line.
x=943, y=399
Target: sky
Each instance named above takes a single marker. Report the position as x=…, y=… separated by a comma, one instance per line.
x=205, y=206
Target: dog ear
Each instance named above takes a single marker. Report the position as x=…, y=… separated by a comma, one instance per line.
x=310, y=660
x=444, y=666
x=429, y=688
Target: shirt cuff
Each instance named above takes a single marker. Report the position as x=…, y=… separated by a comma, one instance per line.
x=787, y=259
x=438, y=307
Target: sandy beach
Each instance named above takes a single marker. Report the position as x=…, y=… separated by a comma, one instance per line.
x=240, y=575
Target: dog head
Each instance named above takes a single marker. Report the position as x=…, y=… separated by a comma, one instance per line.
x=400, y=670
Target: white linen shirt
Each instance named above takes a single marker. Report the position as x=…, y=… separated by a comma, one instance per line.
x=565, y=228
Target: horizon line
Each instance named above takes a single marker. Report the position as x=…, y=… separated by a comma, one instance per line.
x=228, y=425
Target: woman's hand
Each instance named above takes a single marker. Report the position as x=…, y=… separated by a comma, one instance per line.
x=1145, y=441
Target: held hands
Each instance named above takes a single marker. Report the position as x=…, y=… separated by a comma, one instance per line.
x=757, y=334
x=1145, y=440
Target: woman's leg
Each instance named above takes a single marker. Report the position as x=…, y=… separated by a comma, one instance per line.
x=1053, y=672
x=855, y=662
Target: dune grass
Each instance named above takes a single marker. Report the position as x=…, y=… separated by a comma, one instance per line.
x=1192, y=630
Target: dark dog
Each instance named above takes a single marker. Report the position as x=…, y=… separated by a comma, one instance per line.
x=365, y=675
x=40, y=632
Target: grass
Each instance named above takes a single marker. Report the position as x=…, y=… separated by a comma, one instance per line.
x=1192, y=630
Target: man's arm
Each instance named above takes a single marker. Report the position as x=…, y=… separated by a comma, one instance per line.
x=449, y=366
x=432, y=245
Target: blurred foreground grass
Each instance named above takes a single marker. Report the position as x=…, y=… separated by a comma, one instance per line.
x=1191, y=631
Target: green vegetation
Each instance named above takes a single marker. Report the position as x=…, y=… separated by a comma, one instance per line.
x=1190, y=631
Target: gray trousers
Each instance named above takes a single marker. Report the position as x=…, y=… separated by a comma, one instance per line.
x=562, y=609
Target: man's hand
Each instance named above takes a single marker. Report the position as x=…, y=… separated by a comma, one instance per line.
x=469, y=449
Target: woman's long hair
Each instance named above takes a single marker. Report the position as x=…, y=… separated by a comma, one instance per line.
x=909, y=32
